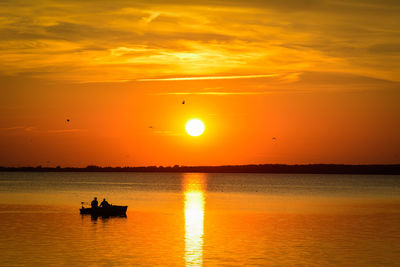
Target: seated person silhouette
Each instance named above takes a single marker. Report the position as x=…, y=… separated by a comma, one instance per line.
x=104, y=204
x=94, y=203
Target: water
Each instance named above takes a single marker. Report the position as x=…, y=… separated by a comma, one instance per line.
x=199, y=219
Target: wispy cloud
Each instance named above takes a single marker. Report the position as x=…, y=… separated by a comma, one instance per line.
x=36, y=130
x=152, y=16
x=211, y=78
x=216, y=93
x=167, y=133
x=18, y=128
x=121, y=51
x=67, y=131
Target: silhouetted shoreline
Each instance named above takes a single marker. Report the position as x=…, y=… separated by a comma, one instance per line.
x=262, y=168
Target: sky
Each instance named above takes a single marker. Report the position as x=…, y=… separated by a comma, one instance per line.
x=288, y=81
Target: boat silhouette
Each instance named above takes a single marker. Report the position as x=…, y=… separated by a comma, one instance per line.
x=112, y=210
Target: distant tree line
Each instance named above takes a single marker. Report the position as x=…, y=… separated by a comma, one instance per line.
x=261, y=168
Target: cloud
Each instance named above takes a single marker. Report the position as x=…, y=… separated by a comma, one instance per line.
x=392, y=49
x=152, y=16
x=64, y=40
x=122, y=51
x=67, y=131
x=19, y=128
x=36, y=130
x=217, y=93
x=211, y=78
x=166, y=133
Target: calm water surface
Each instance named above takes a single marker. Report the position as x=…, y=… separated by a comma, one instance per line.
x=196, y=219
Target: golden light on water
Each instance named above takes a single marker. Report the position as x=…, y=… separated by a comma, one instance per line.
x=194, y=186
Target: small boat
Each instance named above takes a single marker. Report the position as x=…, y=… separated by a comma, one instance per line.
x=105, y=211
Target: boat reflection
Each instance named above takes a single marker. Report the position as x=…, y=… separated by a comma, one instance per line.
x=194, y=187
x=105, y=218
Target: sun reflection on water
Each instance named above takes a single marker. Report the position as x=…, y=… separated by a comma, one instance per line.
x=194, y=186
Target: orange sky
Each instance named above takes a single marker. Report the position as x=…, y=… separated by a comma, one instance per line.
x=284, y=81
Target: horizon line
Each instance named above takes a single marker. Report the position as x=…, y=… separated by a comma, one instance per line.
x=194, y=166
x=365, y=169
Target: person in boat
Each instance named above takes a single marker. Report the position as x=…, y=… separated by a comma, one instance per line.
x=104, y=204
x=95, y=203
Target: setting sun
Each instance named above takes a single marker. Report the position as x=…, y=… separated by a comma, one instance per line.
x=195, y=127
